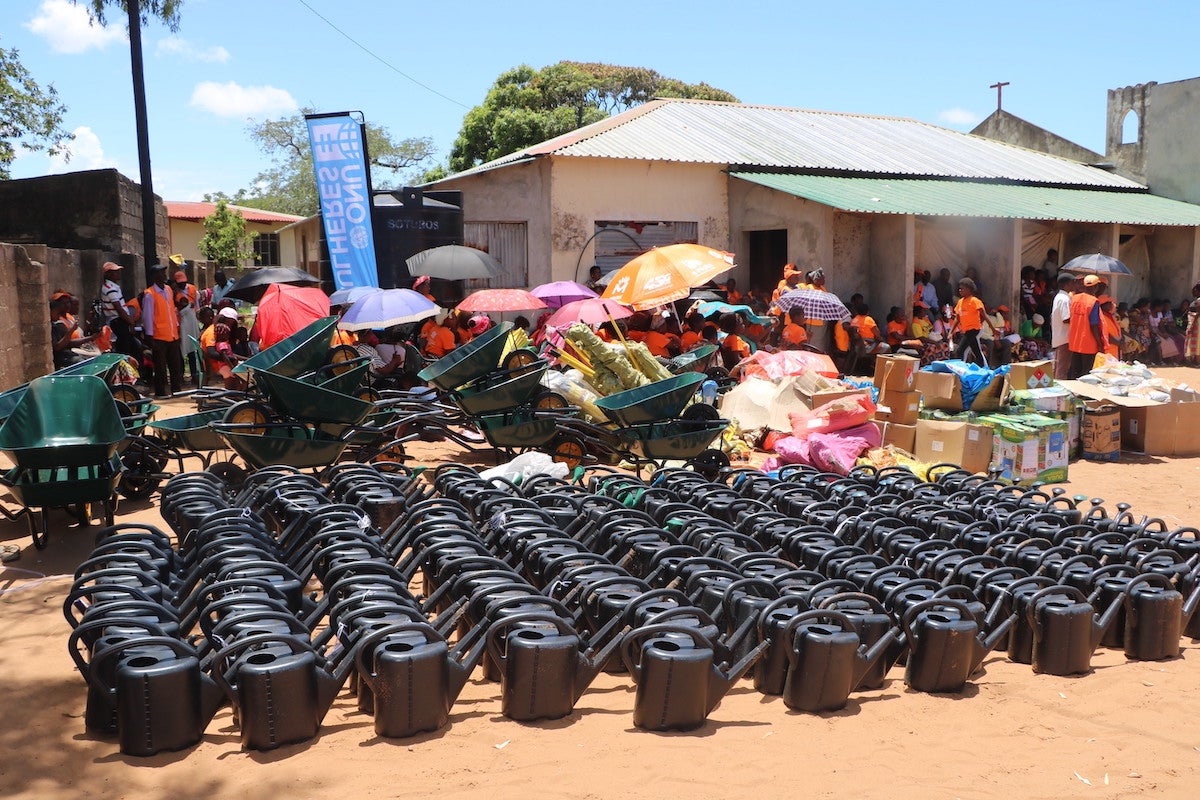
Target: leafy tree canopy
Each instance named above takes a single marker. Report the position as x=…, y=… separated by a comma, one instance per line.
x=166, y=10
x=226, y=240
x=30, y=116
x=526, y=106
x=288, y=185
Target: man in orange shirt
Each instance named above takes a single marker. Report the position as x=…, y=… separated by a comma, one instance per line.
x=970, y=315
x=692, y=337
x=1085, y=334
x=732, y=295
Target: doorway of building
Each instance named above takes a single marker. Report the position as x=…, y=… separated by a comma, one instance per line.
x=766, y=253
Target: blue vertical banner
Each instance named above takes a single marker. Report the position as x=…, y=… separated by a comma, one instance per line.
x=339, y=151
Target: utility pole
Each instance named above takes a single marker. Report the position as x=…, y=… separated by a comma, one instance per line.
x=999, y=87
x=149, y=234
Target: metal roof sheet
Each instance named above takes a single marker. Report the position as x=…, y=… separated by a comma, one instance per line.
x=969, y=199
x=192, y=210
x=740, y=135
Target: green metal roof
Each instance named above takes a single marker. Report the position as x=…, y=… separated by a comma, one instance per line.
x=941, y=198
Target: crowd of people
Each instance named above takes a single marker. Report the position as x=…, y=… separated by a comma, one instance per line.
x=175, y=333
x=172, y=332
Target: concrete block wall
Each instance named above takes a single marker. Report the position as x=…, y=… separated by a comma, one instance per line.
x=24, y=296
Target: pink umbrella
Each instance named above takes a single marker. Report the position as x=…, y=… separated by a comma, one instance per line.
x=593, y=311
x=496, y=300
x=559, y=293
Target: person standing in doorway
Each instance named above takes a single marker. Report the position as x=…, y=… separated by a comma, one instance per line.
x=221, y=285
x=944, y=289
x=1086, y=335
x=160, y=323
x=1060, y=324
x=1051, y=263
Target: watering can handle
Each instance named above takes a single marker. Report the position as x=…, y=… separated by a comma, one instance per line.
x=100, y=623
x=503, y=625
x=179, y=647
x=221, y=658
x=924, y=605
x=364, y=645
x=634, y=637
x=782, y=602
x=789, y=630
x=1031, y=605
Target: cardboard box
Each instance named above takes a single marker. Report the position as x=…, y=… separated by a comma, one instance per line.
x=1053, y=398
x=902, y=436
x=896, y=372
x=1031, y=374
x=1054, y=453
x=962, y=443
x=899, y=407
x=1160, y=429
x=1100, y=433
x=1016, y=449
x=943, y=390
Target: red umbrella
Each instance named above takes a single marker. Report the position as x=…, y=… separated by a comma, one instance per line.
x=285, y=309
x=593, y=311
x=487, y=301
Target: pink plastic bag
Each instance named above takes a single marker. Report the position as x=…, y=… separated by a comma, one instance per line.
x=836, y=415
x=835, y=452
x=792, y=450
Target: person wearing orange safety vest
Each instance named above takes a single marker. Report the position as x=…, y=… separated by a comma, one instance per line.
x=160, y=323
x=1085, y=335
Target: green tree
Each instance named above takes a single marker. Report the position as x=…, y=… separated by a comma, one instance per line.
x=526, y=106
x=30, y=116
x=166, y=10
x=288, y=186
x=226, y=241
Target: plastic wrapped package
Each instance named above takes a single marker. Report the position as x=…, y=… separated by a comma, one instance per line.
x=575, y=389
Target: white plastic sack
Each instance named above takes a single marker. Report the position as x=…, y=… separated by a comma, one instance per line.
x=525, y=466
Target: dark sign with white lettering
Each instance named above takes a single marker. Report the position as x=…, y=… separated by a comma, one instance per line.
x=419, y=223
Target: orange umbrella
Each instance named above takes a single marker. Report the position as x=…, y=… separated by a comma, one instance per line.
x=666, y=274
x=487, y=301
x=285, y=309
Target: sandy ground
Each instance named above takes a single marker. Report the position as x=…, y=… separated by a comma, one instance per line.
x=1127, y=729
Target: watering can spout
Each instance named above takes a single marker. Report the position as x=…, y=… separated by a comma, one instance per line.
x=460, y=668
x=591, y=665
x=984, y=644
x=869, y=657
x=720, y=682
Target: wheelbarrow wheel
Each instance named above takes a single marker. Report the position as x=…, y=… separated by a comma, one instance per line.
x=700, y=412
x=710, y=463
x=249, y=412
x=124, y=393
x=227, y=471
x=368, y=395
x=392, y=453
x=521, y=357
x=140, y=478
x=341, y=358
x=569, y=450
x=549, y=401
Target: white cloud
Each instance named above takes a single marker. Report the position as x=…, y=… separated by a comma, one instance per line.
x=959, y=116
x=175, y=46
x=233, y=100
x=86, y=152
x=68, y=29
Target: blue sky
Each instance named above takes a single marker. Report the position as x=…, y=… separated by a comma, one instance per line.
x=417, y=68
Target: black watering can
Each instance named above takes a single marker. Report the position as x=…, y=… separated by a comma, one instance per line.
x=545, y=666
x=872, y=623
x=280, y=686
x=945, y=643
x=1155, y=616
x=163, y=700
x=678, y=680
x=826, y=660
x=1066, y=630
x=414, y=676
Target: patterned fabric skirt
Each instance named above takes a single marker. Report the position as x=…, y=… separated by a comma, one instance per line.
x=1191, y=340
x=934, y=351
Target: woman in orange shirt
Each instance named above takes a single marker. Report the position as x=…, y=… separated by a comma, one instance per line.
x=970, y=315
x=794, y=334
x=1110, y=326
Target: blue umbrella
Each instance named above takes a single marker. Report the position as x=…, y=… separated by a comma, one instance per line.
x=345, y=297
x=384, y=308
x=1096, y=264
x=711, y=307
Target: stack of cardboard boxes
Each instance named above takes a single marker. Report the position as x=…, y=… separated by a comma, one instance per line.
x=899, y=404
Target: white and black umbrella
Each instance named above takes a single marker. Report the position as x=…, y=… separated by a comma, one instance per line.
x=815, y=304
x=1096, y=264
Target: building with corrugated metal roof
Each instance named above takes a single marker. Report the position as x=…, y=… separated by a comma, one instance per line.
x=870, y=199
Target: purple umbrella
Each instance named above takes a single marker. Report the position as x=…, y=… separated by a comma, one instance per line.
x=559, y=293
